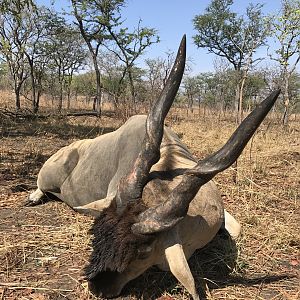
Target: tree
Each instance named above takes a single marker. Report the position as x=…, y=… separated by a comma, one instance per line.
x=233, y=37
x=113, y=82
x=157, y=71
x=294, y=92
x=85, y=85
x=14, y=38
x=100, y=24
x=192, y=88
x=91, y=23
x=208, y=85
x=129, y=46
x=65, y=53
x=39, y=23
x=286, y=30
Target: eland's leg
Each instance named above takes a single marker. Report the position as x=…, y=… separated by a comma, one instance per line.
x=96, y=207
x=35, y=198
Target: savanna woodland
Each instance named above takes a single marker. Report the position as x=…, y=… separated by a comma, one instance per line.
x=78, y=74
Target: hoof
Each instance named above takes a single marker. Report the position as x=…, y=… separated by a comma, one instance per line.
x=34, y=198
x=30, y=202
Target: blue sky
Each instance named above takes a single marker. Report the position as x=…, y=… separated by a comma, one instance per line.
x=173, y=18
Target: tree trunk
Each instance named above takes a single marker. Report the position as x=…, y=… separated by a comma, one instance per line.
x=18, y=102
x=36, y=107
x=68, y=100
x=33, y=86
x=241, y=94
x=94, y=103
x=60, y=102
x=132, y=90
x=240, y=81
x=17, y=88
x=97, y=99
x=70, y=77
x=37, y=103
x=69, y=94
x=236, y=102
x=33, y=90
x=93, y=52
x=286, y=101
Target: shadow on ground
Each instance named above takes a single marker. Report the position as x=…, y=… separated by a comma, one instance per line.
x=59, y=127
x=211, y=266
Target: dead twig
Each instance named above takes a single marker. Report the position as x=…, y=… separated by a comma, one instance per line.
x=15, y=286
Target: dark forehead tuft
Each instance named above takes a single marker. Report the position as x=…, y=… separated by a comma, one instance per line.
x=114, y=244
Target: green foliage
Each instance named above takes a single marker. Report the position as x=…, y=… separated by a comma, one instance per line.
x=228, y=35
x=127, y=45
x=294, y=92
x=15, y=7
x=4, y=71
x=132, y=44
x=94, y=16
x=15, y=34
x=101, y=25
x=217, y=89
x=84, y=84
x=64, y=46
x=56, y=50
x=286, y=30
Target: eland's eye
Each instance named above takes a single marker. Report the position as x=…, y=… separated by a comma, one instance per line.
x=144, y=252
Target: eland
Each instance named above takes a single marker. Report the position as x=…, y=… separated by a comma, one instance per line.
x=154, y=203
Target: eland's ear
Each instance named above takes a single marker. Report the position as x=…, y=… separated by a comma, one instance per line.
x=95, y=208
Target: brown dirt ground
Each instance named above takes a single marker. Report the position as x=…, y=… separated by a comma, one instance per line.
x=43, y=249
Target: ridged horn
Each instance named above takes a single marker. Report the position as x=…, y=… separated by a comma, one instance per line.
x=131, y=186
x=170, y=212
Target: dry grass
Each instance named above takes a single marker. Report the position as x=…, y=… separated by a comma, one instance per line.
x=43, y=249
x=47, y=103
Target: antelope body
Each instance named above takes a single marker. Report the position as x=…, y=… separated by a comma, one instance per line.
x=155, y=204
